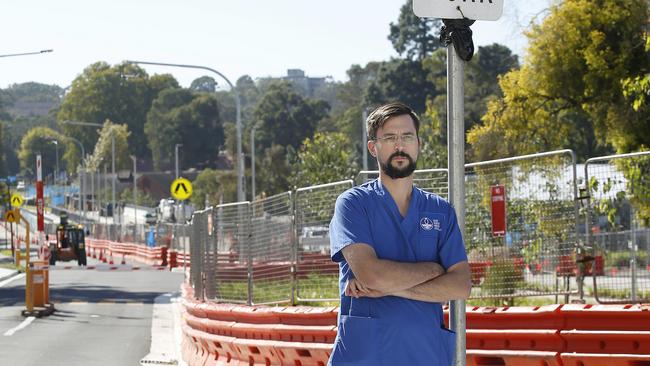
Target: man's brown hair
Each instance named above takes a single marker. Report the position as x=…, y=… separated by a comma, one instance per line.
x=379, y=116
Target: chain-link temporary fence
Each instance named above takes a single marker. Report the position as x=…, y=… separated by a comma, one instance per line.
x=617, y=226
x=535, y=254
x=316, y=274
x=276, y=249
x=232, y=258
x=271, y=245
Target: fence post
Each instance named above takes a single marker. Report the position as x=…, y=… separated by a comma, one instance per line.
x=249, y=253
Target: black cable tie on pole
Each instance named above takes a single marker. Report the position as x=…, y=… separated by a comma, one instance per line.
x=457, y=31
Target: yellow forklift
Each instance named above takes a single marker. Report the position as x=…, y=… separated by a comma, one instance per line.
x=70, y=243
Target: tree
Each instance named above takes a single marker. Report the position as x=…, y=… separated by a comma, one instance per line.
x=3, y=153
x=206, y=187
x=327, y=157
x=578, y=59
x=121, y=93
x=103, y=150
x=275, y=170
x=414, y=36
x=285, y=118
x=401, y=80
x=205, y=84
x=481, y=81
x=36, y=141
x=181, y=116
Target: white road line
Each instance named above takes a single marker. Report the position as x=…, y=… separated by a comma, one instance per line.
x=163, y=350
x=20, y=326
x=16, y=277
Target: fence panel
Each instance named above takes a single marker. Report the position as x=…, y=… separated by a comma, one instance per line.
x=232, y=257
x=196, y=262
x=536, y=255
x=618, y=226
x=316, y=274
x=272, y=238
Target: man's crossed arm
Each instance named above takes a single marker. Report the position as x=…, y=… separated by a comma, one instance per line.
x=424, y=281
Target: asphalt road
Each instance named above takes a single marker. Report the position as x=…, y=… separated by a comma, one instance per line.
x=101, y=318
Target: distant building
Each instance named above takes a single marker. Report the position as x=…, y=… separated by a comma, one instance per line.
x=308, y=84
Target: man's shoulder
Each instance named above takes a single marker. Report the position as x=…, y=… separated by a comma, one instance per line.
x=359, y=192
x=430, y=200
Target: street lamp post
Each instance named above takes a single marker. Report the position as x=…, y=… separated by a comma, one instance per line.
x=27, y=53
x=78, y=123
x=135, y=197
x=56, y=149
x=240, y=156
x=176, y=159
x=82, y=178
x=253, y=162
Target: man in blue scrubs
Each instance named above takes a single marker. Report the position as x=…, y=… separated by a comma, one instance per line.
x=400, y=254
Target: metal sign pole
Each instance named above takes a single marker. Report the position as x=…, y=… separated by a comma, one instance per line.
x=456, y=165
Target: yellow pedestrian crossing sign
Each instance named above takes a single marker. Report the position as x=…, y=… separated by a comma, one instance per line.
x=181, y=189
x=16, y=200
x=12, y=216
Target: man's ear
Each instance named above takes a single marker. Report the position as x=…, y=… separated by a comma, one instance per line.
x=371, y=148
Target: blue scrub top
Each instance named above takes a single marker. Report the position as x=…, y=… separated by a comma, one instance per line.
x=392, y=330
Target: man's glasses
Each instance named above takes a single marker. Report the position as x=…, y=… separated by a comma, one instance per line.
x=393, y=139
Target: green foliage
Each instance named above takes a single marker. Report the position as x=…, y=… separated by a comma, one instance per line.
x=401, y=80
x=285, y=118
x=191, y=119
x=275, y=170
x=103, y=151
x=122, y=93
x=433, y=146
x=502, y=279
x=414, y=36
x=205, y=84
x=206, y=185
x=39, y=140
x=622, y=259
x=32, y=92
x=578, y=58
x=3, y=151
x=327, y=157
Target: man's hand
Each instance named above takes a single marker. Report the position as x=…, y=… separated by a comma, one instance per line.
x=356, y=289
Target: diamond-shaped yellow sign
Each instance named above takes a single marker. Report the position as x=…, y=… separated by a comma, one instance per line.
x=16, y=200
x=181, y=189
x=12, y=216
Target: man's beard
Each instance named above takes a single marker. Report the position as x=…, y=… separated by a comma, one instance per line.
x=394, y=172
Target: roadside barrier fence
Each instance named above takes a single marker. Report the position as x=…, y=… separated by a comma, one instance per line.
x=565, y=222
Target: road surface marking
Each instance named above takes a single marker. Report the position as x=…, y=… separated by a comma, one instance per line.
x=17, y=277
x=20, y=326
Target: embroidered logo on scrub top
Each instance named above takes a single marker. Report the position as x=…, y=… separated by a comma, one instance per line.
x=428, y=224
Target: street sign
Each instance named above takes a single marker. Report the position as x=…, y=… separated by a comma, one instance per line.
x=40, y=202
x=458, y=9
x=498, y=198
x=181, y=189
x=12, y=216
x=16, y=200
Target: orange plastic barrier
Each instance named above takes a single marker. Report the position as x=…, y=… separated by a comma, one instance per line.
x=522, y=317
x=594, y=341
x=512, y=358
x=515, y=339
x=605, y=317
x=590, y=359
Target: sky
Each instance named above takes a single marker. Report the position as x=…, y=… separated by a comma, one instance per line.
x=259, y=38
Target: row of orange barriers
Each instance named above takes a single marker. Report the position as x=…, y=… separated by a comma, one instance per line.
x=562, y=335
x=228, y=334
x=156, y=256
